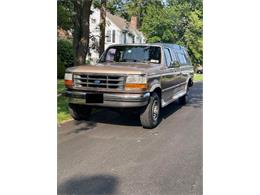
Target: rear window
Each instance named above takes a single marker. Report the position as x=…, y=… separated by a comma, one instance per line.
x=144, y=54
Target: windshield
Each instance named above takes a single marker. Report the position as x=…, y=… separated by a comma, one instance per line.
x=143, y=54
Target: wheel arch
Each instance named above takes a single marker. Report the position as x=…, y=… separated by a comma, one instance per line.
x=190, y=82
x=158, y=90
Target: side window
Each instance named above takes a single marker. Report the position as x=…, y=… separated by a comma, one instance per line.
x=187, y=57
x=182, y=58
x=173, y=54
x=168, y=57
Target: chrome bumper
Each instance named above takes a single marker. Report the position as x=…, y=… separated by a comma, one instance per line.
x=110, y=99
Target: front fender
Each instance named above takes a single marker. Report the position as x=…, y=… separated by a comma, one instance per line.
x=154, y=84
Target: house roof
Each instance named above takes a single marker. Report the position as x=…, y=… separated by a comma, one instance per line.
x=118, y=21
x=123, y=24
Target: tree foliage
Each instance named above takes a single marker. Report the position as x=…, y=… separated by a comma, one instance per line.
x=178, y=22
x=65, y=14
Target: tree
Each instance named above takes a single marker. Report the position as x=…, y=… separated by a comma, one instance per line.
x=64, y=14
x=157, y=25
x=117, y=7
x=180, y=22
x=82, y=10
x=74, y=15
x=102, y=27
x=139, y=8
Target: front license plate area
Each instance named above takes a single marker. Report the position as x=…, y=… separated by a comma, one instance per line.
x=94, y=98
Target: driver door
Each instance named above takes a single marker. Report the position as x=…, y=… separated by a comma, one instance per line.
x=170, y=77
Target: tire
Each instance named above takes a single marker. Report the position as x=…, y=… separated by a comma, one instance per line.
x=150, y=116
x=185, y=99
x=79, y=112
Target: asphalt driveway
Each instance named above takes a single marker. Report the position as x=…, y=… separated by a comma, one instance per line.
x=113, y=154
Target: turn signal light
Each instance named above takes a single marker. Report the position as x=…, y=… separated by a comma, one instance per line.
x=68, y=83
x=142, y=86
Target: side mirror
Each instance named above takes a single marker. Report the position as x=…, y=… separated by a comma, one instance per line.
x=175, y=64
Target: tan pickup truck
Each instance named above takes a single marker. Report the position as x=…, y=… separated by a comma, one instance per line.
x=143, y=77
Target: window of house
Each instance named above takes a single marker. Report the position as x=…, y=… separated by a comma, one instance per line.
x=133, y=39
x=114, y=36
x=108, y=36
x=168, y=57
x=93, y=20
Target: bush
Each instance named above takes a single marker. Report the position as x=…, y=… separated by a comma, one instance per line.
x=60, y=69
x=65, y=56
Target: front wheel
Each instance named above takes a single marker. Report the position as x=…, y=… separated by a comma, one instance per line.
x=150, y=116
x=79, y=112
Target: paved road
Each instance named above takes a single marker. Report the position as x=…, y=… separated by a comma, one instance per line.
x=113, y=154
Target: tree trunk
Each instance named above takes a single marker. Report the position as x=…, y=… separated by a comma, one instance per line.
x=81, y=32
x=102, y=27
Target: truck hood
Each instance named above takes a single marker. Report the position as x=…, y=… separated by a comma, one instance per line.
x=118, y=68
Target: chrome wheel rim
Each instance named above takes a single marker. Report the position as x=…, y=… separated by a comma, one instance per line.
x=155, y=110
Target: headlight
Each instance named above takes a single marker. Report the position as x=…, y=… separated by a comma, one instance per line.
x=136, y=82
x=136, y=79
x=68, y=81
x=68, y=76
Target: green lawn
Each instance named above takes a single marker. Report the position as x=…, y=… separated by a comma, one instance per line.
x=198, y=77
x=61, y=86
x=62, y=110
x=62, y=104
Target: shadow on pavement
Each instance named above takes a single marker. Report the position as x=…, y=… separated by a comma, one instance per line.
x=108, y=116
x=92, y=185
x=170, y=109
x=79, y=126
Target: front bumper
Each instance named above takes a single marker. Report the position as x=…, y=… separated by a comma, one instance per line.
x=119, y=100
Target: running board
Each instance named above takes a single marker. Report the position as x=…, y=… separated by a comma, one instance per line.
x=175, y=97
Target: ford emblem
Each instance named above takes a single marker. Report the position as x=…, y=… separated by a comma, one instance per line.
x=97, y=82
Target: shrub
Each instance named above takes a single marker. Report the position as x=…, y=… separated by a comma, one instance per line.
x=60, y=69
x=64, y=56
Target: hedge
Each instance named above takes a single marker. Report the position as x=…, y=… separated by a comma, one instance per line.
x=65, y=56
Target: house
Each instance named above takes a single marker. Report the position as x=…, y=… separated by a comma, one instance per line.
x=118, y=31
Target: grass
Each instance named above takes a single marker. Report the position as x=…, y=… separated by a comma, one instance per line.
x=62, y=110
x=198, y=77
x=62, y=104
x=61, y=86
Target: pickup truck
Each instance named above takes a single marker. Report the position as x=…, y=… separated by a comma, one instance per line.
x=139, y=77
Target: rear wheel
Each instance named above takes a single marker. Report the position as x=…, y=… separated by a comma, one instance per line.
x=79, y=112
x=151, y=114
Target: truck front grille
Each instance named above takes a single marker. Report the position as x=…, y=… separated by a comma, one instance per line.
x=105, y=81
